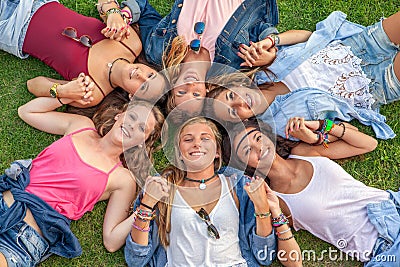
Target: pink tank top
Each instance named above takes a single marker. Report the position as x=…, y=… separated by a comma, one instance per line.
x=60, y=177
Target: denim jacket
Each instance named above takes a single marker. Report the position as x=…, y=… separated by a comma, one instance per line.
x=315, y=104
x=255, y=249
x=288, y=58
x=54, y=226
x=385, y=216
x=253, y=20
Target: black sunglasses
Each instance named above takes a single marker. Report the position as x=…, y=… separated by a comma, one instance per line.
x=72, y=33
x=211, y=229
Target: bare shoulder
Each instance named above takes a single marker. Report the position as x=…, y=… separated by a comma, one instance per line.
x=79, y=122
x=122, y=178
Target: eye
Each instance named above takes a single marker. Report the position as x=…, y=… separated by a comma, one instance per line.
x=196, y=94
x=187, y=140
x=247, y=151
x=151, y=74
x=230, y=95
x=258, y=138
x=205, y=138
x=233, y=112
x=144, y=86
x=142, y=129
x=181, y=92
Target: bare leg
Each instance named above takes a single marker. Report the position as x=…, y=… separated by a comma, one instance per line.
x=3, y=262
x=391, y=25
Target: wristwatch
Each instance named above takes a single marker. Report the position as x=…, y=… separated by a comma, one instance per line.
x=276, y=38
x=53, y=90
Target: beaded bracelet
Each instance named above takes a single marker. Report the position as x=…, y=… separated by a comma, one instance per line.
x=325, y=140
x=262, y=215
x=282, y=232
x=287, y=238
x=140, y=228
x=113, y=11
x=100, y=6
x=126, y=15
x=280, y=220
x=344, y=130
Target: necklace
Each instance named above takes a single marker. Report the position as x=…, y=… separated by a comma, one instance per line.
x=110, y=65
x=202, y=182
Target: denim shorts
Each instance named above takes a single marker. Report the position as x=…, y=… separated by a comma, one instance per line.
x=377, y=53
x=21, y=245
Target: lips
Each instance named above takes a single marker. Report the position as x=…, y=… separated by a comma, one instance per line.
x=191, y=77
x=249, y=101
x=125, y=131
x=197, y=154
x=132, y=72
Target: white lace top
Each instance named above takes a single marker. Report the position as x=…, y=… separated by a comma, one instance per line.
x=336, y=70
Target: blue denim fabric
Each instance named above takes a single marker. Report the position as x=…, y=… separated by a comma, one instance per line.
x=385, y=216
x=21, y=244
x=54, y=226
x=15, y=16
x=253, y=20
x=371, y=44
x=256, y=250
x=377, y=52
x=315, y=104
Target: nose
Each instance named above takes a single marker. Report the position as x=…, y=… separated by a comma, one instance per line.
x=239, y=102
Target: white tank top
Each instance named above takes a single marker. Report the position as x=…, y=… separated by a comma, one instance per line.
x=190, y=243
x=333, y=208
x=337, y=70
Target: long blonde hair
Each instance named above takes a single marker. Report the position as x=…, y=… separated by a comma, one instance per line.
x=175, y=174
x=138, y=159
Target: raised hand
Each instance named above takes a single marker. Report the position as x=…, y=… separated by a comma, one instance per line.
x=117, y=29
x=156, y=188
x=79, y=90
x=298, y=128
x=257, y=54
x=258, y=195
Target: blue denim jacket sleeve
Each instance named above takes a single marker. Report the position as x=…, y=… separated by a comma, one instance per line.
x=153, y=255
x=315, y=104
x=385, y=216
x=334, y=27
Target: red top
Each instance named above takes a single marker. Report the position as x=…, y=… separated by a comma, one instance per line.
x=44, y=39
x=63, y=180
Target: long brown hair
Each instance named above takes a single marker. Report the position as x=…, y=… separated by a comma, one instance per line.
x=138, y=159
x=175, y=174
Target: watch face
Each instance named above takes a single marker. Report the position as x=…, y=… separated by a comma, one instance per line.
x=53, y=92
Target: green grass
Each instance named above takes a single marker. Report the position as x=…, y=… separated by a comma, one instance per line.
x=17, y=140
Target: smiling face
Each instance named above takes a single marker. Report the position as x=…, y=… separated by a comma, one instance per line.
x=254, y=149
x=239, y=103
x=198, y=147
x=143, y=82
x=134, y=126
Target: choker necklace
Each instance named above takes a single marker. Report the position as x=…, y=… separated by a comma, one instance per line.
x=202, y=182
x=110, y=65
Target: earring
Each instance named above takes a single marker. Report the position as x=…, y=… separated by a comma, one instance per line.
x=140, y=145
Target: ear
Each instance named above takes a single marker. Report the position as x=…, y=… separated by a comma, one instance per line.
x=217, y=155
x=117, y=117
x=130, y=96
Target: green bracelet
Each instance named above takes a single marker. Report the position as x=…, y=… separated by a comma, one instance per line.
x=112, y=11
x=328, y=126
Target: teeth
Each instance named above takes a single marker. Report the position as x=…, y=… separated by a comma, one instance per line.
x=191, y=79
x=197, y=153
x=265, y=153
x=249, y=102
x=132, y=73
x=125, y=132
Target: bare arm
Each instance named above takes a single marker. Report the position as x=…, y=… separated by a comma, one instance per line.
x=40, y=113
x=344, y=140
x=117, y=224
x=117, y=22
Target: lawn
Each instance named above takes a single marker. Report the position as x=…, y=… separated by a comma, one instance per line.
x=379, y=168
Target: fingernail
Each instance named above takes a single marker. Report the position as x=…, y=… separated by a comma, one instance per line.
x=122, y=28
x=247, y=183
x=107, y=29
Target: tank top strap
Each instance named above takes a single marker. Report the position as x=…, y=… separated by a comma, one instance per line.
x=83, y=129
x=115, y=166
x=101, y=90
x=127, y=47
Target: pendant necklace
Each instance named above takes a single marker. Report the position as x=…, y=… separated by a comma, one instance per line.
x=202, y=182
x=110, y=65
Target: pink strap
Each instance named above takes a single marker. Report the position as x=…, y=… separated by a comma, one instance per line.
x=116, y=166
x=83, y=129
